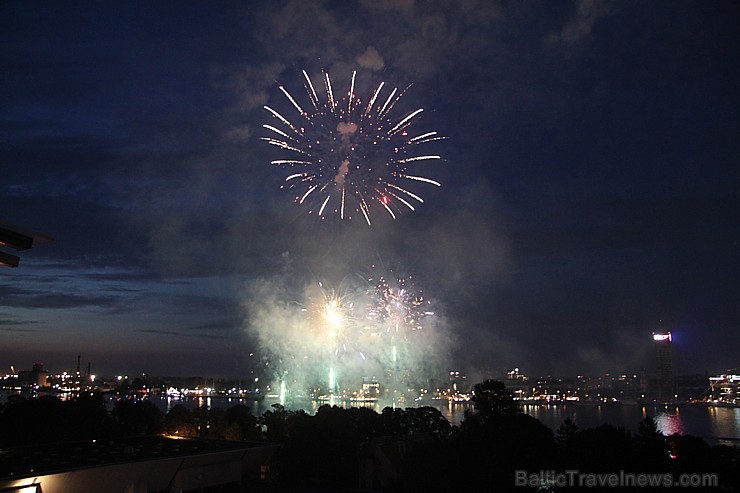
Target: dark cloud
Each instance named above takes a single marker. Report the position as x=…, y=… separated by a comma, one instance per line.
x=578, y=28
x=230, y=324
x=14, y=322
x=13, y=325
x=34, y=298
x=178, y=334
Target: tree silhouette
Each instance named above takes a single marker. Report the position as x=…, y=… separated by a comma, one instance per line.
x=605, y=448
x=242, y=425
x=137, y=418
x=651, y=447
x=180, y=422
x=86, y=417
x=39, y=420
x=566, y=433
x=275, y=423
x=492, y=399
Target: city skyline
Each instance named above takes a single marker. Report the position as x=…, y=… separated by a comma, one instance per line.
x=588, y=179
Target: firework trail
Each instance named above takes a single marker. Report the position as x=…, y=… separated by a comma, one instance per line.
x=346, y=155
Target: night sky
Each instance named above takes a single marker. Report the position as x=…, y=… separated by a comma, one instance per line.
x=589, y=182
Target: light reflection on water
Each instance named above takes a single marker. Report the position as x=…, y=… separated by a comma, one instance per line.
x=454, y=413
x=697, y=420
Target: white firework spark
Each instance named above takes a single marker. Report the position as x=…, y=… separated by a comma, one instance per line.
x=348, y=155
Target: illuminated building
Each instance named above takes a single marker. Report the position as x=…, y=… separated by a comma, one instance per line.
x=517, y=382
x=725, y=389
x=36, y=377
x=515, y=374
x=458, y=382
x=370, y=388
x=663, y=388
x=626, y=387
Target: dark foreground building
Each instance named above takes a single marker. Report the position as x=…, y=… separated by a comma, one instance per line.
x=17, y=239
x=134, y=465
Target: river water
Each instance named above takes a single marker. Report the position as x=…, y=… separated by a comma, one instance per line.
x=715, y=424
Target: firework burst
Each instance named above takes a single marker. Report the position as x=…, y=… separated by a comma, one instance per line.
x=332, y=320
x=396, y=306
x=398, y=312
x=347, y=155
x=334, y=329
